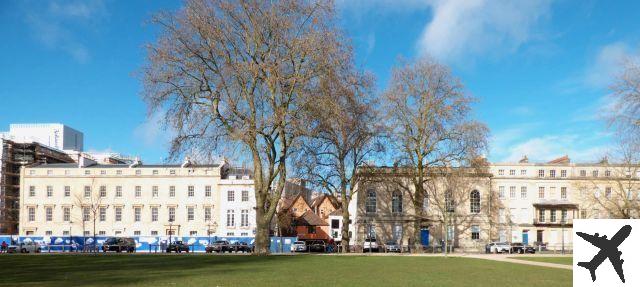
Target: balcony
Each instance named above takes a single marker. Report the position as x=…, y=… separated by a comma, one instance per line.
x=547, y=222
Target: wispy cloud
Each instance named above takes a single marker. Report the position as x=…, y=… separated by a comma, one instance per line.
x=152, y=131
x=469, y=28
x=54, y=25
x=607, y=64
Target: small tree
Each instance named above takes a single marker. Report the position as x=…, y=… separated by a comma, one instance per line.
x=90, y=199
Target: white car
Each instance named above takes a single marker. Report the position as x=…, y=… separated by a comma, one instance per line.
x=299, y=246
x=498, y=247
x=370, y=245
x=25, y=247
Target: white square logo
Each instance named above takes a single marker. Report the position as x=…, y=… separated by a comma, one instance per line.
x=606, y=252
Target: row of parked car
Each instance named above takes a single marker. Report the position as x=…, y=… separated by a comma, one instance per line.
x=505, y=247
x=310, y=246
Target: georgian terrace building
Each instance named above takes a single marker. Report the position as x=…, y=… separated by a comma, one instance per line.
x=136, y=200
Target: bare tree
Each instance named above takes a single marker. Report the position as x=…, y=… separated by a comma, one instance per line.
x=429, y=116
x=345, y=132
x=625, y=114
x=239, y=74
x=89, y=200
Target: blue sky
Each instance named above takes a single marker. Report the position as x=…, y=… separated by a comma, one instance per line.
x=540, y=69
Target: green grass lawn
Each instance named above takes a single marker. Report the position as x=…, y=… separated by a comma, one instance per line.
x=304, y=270
x=556, y=260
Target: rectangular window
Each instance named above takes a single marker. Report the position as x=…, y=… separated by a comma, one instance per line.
x=103, y=214
x=67, y=191
x=230, y=234
x=552, y=173
x=87, y=172
x=541, y=192
x=119, y=172
x=49, y=213
x=231, y=218
x=541, y=215
x=583, y=173
x=311, y=229
x=564, y=216
x=49, y=172
x=501, y=172
x=553, y=216
x=154, y=232
x=207, y=214
x=49, y=191
x=137, y=211
x=32, y=172
x=563, y=173
x=154, y=214
x=118, y=214
x=541, y=173
x=193, y=233
x=523, y=192
x=335, y=223
x=501, y=192
x=48, y=232
x=512, y=172
x=230, y=195
x=512, y=192
x=523, y=172
x=32, y=191
x=172, y=191
x=65, y=232
x=245, y=195
x=154, y=172
x=102, y=232
x=154, y=191
x=138, y=191
x=594, y=173
x=66, y=214
x=32, y=214
x=563, y=192
x=118, y=191
x=87, y=233
x=190, y=213
x=172, y=214
x=244, y=234
x=138, y=172
x=583, y=214
x=607, y=173
x=244, y=218
x=87, y=191
x=191, y=190
x=207, y=191
x=103, y=172
x=136, y=232
x=103, y=191
x=475, y=232
x=607, y=192
x=172, y=172
x=86, y=214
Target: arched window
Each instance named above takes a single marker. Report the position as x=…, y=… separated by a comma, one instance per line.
x=371, y=202
x=449, y=202
x=474, y=199
x=396, y=202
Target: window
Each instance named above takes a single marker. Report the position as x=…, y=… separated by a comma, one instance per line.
x=396, y=202
x=244, y=234
x=230, y=234
x=541, y=192
x=65, y=232
x=501, y=172
x=230, y=195
x=103, y=172
x=136, y=232
x=397, y=231
x=118, y=191
x=244, y=218
x=191, y=190
x=49, y=172
x=607, y=173
x=103, y=214
x=32, y=214
x=102, y=232
x=172, y=191
x=103, y=191
x=523, y=172
x=172, y=214
x=119, y=172
x=32, y=172
x=87, y=233
x=154, y=191
x=512, y=172
x=553, y=216
x=541, y=173
x=583, y=213
x=154, y=172
x=87, y=172
x=32, y=191
x=371, y=202
x=190, y=213
x=475, y=232
x=207, y=191
x=607, y=192
x=118, y=232
x=86, y=214
x=154, y=214
x=474, y=200
x=449, y=201
x=564, y=216
x=154, y=232
x=49, y=191
x=541, y=215
x=138, y=172
x=523, y=192
x=66, y=214
x=138, y=191
x=563, y=173
x=48, y=232
x=512, y=192
x=594, y=173
x=207, y=214
x=425, y=203
x=501, y=215
x=552, y=173
x=137, y=214
x=245, y=195
x=335, y=223
x=231, y=220
x=87, y=191
x=118, y=214
x=311, y=229
x=172, y=172
x=193, y=233
x=583, y=173
x=48, y=213
x=501, y=192
x=67, y=191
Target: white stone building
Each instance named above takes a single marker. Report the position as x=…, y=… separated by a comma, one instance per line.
x=136, y=200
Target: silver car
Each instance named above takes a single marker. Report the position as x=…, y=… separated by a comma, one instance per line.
x=299, y=246
x=25, y=247
x=392, y=246
x=498, y=247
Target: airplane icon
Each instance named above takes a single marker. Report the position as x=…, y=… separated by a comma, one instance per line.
x=608, y=249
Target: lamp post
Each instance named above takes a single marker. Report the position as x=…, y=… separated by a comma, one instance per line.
x=70, y=236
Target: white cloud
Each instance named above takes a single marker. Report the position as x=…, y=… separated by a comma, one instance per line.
x=607, y=63
x=152, y=131
x=472, y=27
x=548, y=147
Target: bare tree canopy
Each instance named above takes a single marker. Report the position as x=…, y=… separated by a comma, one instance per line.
x=241, y=73
x=626, y=91
x=430, y=125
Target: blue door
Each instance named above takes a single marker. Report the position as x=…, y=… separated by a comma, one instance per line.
x=424, y=236
x=525, y=237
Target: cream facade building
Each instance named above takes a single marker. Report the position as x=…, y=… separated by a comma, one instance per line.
x=136, y=200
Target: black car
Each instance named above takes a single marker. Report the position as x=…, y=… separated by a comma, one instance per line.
x=521, y=248
x=177, y=246
x=218, y=247
x=316, y=246
x=240, y=247
x=119, y=244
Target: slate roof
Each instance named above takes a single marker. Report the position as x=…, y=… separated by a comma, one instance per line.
x=310, y=219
